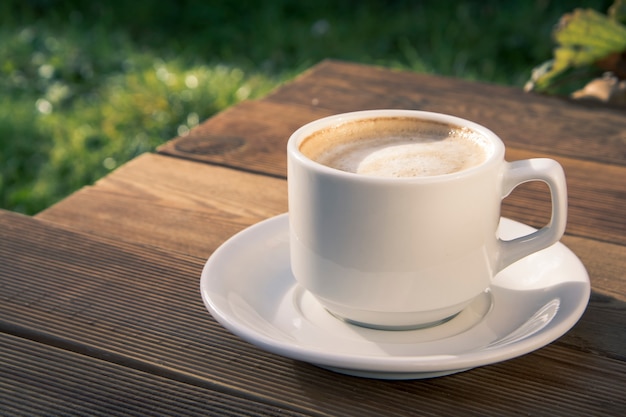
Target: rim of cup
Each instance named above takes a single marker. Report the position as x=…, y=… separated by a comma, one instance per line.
x=495, y=154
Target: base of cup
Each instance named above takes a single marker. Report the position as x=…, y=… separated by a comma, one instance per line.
x=395, y=320
x=397, y=328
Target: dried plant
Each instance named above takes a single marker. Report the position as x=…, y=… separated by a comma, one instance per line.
x=589, y=61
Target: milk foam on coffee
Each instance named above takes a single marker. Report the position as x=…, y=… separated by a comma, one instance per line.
x=397, y=147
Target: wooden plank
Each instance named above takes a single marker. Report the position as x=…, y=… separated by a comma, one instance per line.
x=604, y=262
x=171, y=203
x=528, y=121
x=251, y=136
x=140, y=307
x=44, y=380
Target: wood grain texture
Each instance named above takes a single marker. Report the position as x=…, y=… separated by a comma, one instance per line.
x=528, y=121
x=606, y=264
x=140, y=308
x=251, y=136
x=51, y=381
x=172, y=204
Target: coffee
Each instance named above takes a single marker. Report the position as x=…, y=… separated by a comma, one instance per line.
x=397, y=147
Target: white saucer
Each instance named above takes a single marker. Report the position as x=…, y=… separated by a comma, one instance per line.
x=248, y=287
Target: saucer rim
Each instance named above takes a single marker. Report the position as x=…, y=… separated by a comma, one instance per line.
x=387, y=367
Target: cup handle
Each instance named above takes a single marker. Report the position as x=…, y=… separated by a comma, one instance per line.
x=538, y=169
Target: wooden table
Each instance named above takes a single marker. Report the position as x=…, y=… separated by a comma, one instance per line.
x=100, y=310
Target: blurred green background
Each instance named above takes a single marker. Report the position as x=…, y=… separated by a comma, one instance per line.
x=86, y=86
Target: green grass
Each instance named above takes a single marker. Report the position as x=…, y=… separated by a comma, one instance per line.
x=85, y=87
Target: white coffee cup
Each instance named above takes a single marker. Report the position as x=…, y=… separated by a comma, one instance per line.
x=405, y=252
